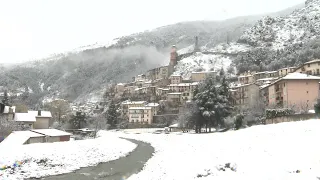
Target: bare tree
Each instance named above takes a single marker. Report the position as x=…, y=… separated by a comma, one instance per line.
x=98, y=123
x=60, y=110
x=6, y=127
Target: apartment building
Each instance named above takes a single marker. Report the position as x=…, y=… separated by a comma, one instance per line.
x=285, y=71
x=201, y=76
x=245, y=95
x=175, y=79
x=295, y=90
x=246, y=79
x=311, y=68
x=128, y=104
x=182, y=87
x=175, y=97
x=162, y=72
x=141, y=115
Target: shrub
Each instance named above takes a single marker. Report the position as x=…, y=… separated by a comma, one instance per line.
x=317, y=108
x=273, y=113
x=239, y=121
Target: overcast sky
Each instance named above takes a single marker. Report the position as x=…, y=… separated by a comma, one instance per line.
x=36, y=28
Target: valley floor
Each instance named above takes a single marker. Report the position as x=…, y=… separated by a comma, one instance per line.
x=47, y=159
x=277, y=152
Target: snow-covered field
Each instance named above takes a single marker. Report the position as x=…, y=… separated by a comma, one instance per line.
x=278, y=152
x=63, y=157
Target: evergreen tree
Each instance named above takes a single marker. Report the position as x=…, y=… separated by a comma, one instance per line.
x=77, y=119
x=111, y=115
x=5, y=100
x=212, y=97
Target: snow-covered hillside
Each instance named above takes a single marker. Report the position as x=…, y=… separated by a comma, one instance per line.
x=201, y=62
x=298, y=27
x=278, y=152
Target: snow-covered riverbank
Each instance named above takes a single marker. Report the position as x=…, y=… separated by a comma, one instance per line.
x=56, y=158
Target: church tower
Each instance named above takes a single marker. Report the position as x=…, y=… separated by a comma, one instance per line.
x=173, y=56
x=196, y=45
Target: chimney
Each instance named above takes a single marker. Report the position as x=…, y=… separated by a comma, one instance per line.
x=39, y=112
x=10, y=110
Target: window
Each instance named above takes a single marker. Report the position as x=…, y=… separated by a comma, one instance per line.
x=307, y=92
x=308, y=65
x=318, y=72
x=306, y=83
x=284, y=84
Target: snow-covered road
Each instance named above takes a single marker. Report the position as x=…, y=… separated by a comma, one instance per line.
x=277, y=152
x=62, y=157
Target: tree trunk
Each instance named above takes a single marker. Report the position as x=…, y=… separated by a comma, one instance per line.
x=210, y=124
x=206, y=126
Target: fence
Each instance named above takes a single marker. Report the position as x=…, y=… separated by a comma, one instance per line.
x=291, y=118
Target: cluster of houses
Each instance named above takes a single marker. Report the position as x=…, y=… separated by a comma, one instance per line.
x=292, y=87
x=36, y=124
x=160, y=84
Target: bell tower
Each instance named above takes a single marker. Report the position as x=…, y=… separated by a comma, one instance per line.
x=173, y=56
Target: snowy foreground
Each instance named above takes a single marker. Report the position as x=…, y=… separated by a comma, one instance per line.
x=62, y=157
x=278, y=152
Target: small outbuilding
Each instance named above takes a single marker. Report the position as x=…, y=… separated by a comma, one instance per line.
x=53, y=135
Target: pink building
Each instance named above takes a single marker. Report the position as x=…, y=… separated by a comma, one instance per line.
x=296, y=90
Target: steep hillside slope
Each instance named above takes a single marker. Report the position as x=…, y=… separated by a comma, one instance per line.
x=282, y=41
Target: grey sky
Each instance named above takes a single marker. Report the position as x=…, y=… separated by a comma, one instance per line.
x=37, y=28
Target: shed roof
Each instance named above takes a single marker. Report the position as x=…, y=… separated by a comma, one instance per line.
x=19, y=137
x=24, y=117
x=51, y=132
x=43, y=113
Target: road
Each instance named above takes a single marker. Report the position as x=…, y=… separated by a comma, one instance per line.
x=113, y=170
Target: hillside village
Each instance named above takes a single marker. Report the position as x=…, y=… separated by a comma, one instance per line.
x=295, y=88
x=192, y=100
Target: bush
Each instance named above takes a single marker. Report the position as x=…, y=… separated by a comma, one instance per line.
x=273, y=113
x=317, y=108
x=239, y=121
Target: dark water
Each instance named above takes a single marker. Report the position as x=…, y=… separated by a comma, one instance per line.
x=114, y=170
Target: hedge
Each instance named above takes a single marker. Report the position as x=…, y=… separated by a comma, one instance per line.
x=273, y=113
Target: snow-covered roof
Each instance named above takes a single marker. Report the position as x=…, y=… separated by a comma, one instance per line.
x=300, y=76
x=174, y=93
x=267, y=79
x=51, y=132
x=19, y=138
x=295, y=76
x=249, y=75
x=270, y=72
x=120, y=84
x=43, y=113
x=6, y=109
x=181, y=84
x=24, y=117
x=313, y=61
x=174, y=125
x=203, y=72
x=134, y=102
x=152, y=105
x=139, y=108
x=175, y=75
x=194, y=83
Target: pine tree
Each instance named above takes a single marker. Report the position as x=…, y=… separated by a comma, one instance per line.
x=77, y=119
x=5, y=100
x=111, y=115
x=212, y=97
